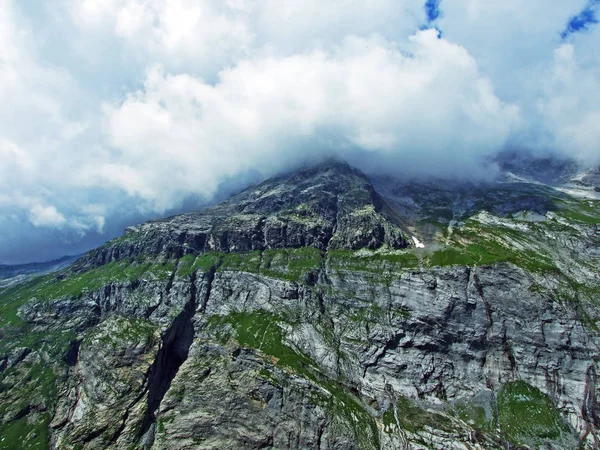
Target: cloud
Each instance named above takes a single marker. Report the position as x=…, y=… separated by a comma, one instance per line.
x=45, y=216
x=203, y=37
x=260, y=112
x=582, y=20
x=185, y=34
x=116, y=111
x=571, y=107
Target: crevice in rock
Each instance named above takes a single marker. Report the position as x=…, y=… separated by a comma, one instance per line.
x=119, y=430
x=259, y=238
x=391, y=344
x=94, y=434
x=5, y=362
x=478, y=286
x=72, y=354
x=72, y=408
x=20, y=414
x=151, y=309
x=590, y=409
x=321, y=303
x=508, y=352
x=210, y=276
x=320, y=431
x=488, y=308
x=468, y=283
x=321, y=273
x=328, y=323
x=177, y=340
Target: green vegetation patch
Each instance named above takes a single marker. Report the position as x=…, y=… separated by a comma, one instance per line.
x=486, y=253
x=291, y=264
x=260, y=330
x=480, y=244
x=581, y=211
x=451, y=256
x=479, y=411
x=527, y=416
x=12, y=298
x=476, y=417
x=67, y=284
x=204, y=262
x=30, y=387
x=27, y=432
x=375, y=262
x=350, y=414
x=413, y=418
x=130, y=236
x=244, y=262
x=28, y=390
x=184, y=267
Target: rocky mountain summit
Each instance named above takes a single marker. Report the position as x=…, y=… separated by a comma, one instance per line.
x=331, y=206
x=321, y=309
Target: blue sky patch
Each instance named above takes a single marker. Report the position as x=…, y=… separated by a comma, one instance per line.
x=582, y=20
x=432, y=8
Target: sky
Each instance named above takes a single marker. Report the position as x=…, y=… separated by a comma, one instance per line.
x=116, y=111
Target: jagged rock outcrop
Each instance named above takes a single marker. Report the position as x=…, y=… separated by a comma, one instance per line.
x=296, y=317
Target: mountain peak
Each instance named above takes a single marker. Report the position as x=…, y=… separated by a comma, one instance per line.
x=327, y=206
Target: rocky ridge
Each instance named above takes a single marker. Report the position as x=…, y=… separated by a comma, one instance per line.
x=332, y=206
x=298, y=315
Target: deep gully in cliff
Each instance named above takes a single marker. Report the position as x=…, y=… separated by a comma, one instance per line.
x=177, y=341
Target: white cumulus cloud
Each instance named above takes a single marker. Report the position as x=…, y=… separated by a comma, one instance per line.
x=45, y=216
x=571, y=106
x=427, y=102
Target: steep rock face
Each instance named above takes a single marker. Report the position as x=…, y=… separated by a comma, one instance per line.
x=446, y=337
x=100, y=405
x=349, y=340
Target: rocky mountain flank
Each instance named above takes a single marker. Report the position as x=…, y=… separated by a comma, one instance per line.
x=319, y=310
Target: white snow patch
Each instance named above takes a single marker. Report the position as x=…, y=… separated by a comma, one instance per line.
x=418, y=243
